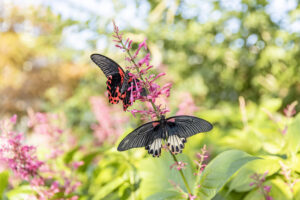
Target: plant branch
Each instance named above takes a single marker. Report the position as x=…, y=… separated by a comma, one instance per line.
x=182, y=175
x=154, y=107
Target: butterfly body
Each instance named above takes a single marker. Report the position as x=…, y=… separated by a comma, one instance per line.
x=117, y=82
x=174, y=130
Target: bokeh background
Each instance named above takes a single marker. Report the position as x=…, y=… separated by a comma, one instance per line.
x=234, y=63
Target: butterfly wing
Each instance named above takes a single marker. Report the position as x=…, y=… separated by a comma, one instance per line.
x=115, y=76
x=107, y=65
x=141, y=136
x=113, y=84
x=185, y=126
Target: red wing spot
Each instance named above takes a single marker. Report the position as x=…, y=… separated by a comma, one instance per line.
x=171, y=120
x=154, y=124
x=121, y=74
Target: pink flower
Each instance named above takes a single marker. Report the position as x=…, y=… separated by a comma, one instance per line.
x=20, y=158
x=75, y=165
x=267, y=188
x=286, y=172
x=178, y=165
x=259, y=179
x=187, y=105
x=152, y=92
x=13, y=119
x=109, y=121
x=141, y=45
x=192, y=197
x=290, y=110
x=145, y=60
x=201, y=158
x=24, y=164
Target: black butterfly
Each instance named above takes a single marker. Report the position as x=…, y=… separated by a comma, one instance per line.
x=118, y=81
x=174, y=130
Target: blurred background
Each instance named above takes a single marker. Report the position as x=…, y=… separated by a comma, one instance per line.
x=227, y=60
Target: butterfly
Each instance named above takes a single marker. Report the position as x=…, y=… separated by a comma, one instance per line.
x=117, y=82
x=174, y=130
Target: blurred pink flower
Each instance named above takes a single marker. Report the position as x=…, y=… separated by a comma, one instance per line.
x=109, y=121
x=77, y=164
x=290, y=110
x=20, y=158
x=286, y=172
x=258, y=181
x=192, y=197
x=187, y=105
x=201, y=158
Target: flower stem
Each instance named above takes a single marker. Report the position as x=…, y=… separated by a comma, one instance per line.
x=142, y=79
x=182, y=175
x=155, y=109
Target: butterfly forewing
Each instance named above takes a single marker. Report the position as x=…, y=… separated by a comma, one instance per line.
x=140, y=137
x=185, y=126
x=107, y=65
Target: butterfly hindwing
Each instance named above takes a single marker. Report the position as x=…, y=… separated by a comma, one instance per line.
x=185, y=126
x=113, y=88
x=141, y=136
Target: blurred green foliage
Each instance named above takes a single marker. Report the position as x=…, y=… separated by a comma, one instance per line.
x=258, y=60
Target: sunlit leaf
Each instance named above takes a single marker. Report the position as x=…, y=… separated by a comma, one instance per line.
x=241, y=181
x=220, y=170
x=156, y=175
x=3, y=182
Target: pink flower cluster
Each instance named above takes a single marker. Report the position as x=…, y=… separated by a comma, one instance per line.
x=47, y=127
x=15, y=154
x=41, y=123
x=202, y=157
x=290, y=110
x=286, y=172
x=259, y=180
x=25, y=165
x=109, y=126
x=187, y=105
x=143, y=87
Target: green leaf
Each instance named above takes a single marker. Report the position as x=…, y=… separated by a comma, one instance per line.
x=109, y=188
x=241, y=182
x=156, y=175
x=220, y=170
x=165, y=195
x=3, y=182
x=293, y=136
x=279, y=191
x=19, y=193
x=69, y=156
x=254, y=195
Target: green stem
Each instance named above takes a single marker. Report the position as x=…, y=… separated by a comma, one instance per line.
x=182, y=175
x=156, y=112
